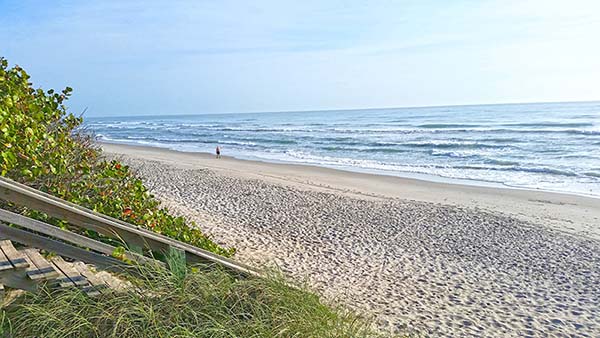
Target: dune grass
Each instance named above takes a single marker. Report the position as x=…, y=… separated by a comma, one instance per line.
x=183, y=302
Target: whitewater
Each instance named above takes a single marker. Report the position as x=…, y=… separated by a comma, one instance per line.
x=548, y=146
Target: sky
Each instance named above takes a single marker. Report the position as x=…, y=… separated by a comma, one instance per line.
x=194, y=57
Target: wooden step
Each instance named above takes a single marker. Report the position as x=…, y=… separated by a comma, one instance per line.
x=5, y=263
x=97, y=285
x=68, y=275
x=13, y=266
x=28, y=270
x=16, y=258
x=39, y=268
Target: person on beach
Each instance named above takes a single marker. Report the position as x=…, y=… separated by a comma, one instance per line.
x=218, y=151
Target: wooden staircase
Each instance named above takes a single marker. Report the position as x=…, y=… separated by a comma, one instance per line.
x=28, y=270
x=134, y=237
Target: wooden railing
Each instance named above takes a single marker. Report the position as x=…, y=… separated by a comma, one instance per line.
x=135, y=238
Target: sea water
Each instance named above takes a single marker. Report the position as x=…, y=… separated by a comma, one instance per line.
x=549, y=146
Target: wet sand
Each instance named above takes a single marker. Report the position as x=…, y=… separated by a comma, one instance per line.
x=444, y=259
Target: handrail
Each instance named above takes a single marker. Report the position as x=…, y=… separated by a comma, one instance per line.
x=76, y=215
x=63, y=249
x=67, y=236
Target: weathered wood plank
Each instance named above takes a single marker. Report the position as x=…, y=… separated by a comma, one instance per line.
x=63, y=249
x=4, y=262
x=62, y=281
x=68, y=236
x=113, y=282
x=17, y=278
x=24, y=281
x=96, y=284
x=16, y=258
x=70, y=274
x=132, y=235
x=39, y=268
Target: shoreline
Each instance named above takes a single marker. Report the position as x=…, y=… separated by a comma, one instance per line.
x=378, y=172
x=565, y=212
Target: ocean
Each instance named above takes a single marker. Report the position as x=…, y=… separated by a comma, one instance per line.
x=548, y=146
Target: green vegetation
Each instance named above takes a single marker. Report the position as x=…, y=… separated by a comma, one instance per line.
x=42, y=145
x=183, y=303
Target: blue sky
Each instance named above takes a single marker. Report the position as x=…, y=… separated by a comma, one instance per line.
x=192, y=57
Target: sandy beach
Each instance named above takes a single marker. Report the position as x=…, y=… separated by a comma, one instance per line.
x=443, y=259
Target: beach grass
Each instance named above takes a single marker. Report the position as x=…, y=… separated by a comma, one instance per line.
x=183, y=302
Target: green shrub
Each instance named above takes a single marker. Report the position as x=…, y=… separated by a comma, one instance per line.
x=43, y=146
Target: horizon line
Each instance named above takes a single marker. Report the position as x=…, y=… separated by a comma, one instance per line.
x=352, y=109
